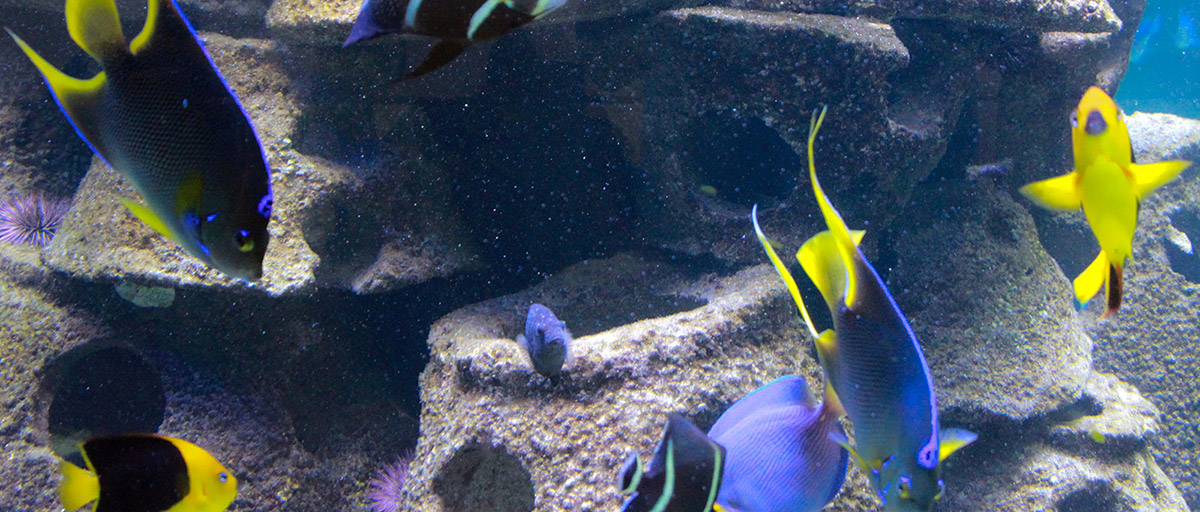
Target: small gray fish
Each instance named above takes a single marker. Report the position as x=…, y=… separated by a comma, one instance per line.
x=546, y=339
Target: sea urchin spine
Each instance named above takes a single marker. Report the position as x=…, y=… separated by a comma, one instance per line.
x=31, y=220
x=387, y=488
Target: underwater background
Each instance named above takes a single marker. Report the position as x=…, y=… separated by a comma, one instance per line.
x=603, y=161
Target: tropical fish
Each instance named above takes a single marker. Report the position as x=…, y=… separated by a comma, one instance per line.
x=778, y=453
x=872, y=361
x=161, y=115
x=683, y=476
x=1108, y=186
x=546, y=339
x=146, y=473
x=455, y=23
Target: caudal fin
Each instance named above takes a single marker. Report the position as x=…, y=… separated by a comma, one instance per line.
x=95, y=27
x=1115, y=284
x=1088, y=283
x=78, y=487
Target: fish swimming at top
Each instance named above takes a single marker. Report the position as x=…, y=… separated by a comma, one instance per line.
x=161, y=115
x=455, y=23
x=546, y=339
x=1108, y=186
x=873, y=362
x=683, y=476
x=778, y=453
x=146, y=473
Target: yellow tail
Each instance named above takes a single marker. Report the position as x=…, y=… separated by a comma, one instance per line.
x=78, y=487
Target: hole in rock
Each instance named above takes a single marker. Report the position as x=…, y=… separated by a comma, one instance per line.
x=109, y=390
x=743, y=160
x=1097, y=496
x=1178, y=245
x=485, y=478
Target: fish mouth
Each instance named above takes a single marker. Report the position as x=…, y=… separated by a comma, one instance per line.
x=1096, y=124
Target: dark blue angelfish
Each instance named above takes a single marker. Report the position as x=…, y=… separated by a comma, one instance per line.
x=161, y=115
x=546, y=339
x=455, y=23
x=873, y=362
x=684, y=475
x=779, y=456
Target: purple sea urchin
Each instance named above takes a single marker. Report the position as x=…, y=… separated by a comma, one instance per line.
x=31, y=220
x=387, y=488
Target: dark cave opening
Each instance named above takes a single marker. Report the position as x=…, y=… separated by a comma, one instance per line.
x=483, y=477
x=740, y=159
x=101, y=391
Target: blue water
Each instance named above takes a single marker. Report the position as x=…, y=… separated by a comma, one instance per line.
x=1164, y=72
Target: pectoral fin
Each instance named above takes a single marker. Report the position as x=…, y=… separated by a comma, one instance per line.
x=1147, y=177
x=870, y=467
x=1088, y=283
x=952, y=440
x=147, y=216
x=442, y=53
x=1061, y=193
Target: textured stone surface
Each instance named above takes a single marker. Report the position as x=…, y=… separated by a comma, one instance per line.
x=1098, y=460
x=991, y=307
x=632, y=362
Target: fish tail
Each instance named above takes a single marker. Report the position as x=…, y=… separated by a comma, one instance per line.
x=784, y=274
x=833, y=220
x=79, y=99
x=1088, y=283
x=1114, y=286
x=78, y=487
x=95, y=27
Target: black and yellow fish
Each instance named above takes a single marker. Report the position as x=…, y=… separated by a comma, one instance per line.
x=146, y=473
x=455, y=23
x=161, y=115
x=684, y=475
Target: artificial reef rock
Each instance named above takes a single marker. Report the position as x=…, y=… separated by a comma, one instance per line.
x=693, y=343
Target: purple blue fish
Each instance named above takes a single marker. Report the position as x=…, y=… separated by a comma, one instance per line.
x=779, y=456
x=873, y=362
x=546, y=339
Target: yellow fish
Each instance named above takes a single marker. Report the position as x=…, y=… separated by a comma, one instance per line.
x=146, y=473
x=1108, y=186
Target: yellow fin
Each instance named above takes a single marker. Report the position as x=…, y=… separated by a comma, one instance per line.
x=1147, y=177
x=1061, y=193
x=143, y=37
x=95, y=27
x=822, y=261
x=833, y=220
x=77, y=97
x=78, y=487
x=953, y=439
x=1088, y=283
x=148, y=216
x=783, y=271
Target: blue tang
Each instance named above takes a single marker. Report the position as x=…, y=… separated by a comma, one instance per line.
x=546, y=339
x=684, y=475
x=161, y=115
x=779, y=456
x=455, y=23
x=873, y=362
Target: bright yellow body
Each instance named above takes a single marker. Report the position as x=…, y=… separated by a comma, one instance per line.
x=212, y=488
x=1107, y=186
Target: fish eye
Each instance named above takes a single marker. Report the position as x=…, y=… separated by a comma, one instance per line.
x=223, y=477
x=243, y=241
x=1074, y=120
